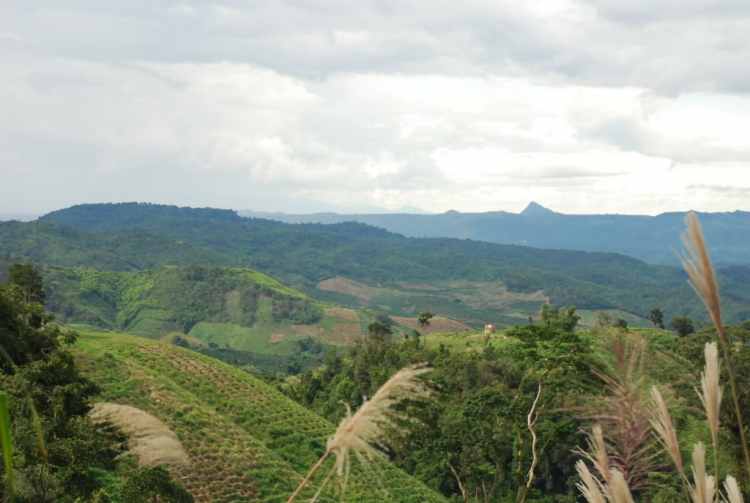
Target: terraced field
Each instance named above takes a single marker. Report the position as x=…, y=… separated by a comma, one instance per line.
x=246, y=441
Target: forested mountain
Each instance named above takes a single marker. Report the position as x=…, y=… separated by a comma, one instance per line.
x=368, y=266
x=644, y=237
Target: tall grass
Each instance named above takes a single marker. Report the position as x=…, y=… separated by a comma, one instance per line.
x=607, y=483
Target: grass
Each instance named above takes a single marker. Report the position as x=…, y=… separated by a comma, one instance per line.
x=246, y=441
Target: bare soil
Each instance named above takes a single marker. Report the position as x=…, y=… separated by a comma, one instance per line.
x=438, y=325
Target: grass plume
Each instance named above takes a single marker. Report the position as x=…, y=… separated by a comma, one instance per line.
x=360, y=434
x=697, y=264
x=590, y=488
x=732, y=490
x=703, y=489
x=661, y=422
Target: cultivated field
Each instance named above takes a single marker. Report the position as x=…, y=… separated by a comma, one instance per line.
x=244, y=440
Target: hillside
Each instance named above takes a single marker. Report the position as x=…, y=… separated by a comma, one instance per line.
x=476, y=282
x=206, y=306
x=245, y=441
x=644, y=237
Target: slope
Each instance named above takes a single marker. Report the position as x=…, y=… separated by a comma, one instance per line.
x=304, y=255
x=246, y=441
x=222, y=307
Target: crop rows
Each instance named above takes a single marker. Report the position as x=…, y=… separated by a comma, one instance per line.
x=246, y=441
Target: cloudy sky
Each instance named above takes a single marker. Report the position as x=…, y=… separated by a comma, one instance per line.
x=598, y=106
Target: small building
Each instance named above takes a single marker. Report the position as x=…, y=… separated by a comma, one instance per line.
x=489, y=328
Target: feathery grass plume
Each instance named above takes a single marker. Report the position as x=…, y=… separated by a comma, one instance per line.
x=361, y=434
x=590, y=487
x=734, y=495
x=623, y=416
x=618, y=488
x=711, y=390
x=697, y=264
x=661, y=422
x=598, y=453
x=704, y=488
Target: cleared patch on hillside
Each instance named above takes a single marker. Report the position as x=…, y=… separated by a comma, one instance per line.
x=306, y=330
x=148, y=438
x=276, y=338
x=347, y=332
x=347, y=286
x=342, y=312
x=438, y=325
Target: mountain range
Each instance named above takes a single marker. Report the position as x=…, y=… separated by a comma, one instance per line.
x=648, y=238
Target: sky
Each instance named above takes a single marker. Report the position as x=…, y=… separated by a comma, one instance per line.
x=600, y=106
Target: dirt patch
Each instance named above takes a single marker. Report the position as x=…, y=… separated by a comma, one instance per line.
x=306, y=330
x=149, y=439
x=347, y=332
x=438, y=325
x=347, y=286
x=276, y=338
x=343, y=313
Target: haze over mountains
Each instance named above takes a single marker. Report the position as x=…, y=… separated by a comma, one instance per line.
x=648, y=238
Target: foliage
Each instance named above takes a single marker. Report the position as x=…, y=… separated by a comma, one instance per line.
x=424, y=318
x=562, y=318
x=682, y=325
x=56, y=449
x=474, y=439
x=153, y=485
x=29, y=280
x=657, y=317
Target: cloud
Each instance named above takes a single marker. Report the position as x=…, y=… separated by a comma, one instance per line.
x=581, y=105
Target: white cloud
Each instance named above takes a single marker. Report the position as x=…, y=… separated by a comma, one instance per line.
x=596, y=106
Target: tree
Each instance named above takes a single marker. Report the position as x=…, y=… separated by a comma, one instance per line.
x=59, y=454
x=657, y=318
x=564, y=318
x=424, y=318
x=379, y=330
x=621, y=323
x=154, y=485
x=682, y=325
x=29, y=280
x=603, y=319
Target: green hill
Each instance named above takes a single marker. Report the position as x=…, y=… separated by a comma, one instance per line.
x=473, y=281
x=208, y=306
x=245, y=441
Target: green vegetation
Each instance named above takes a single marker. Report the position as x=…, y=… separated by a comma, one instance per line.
x=246, y=441
x=132, y=236
x=51, y=450
x=474, y=442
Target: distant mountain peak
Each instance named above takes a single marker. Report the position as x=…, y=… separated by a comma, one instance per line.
x=535, y=208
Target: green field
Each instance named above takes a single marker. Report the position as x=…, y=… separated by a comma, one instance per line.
x=246, y=441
